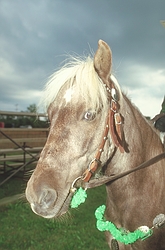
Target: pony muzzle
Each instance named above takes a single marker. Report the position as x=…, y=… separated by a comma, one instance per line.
x=45, y=204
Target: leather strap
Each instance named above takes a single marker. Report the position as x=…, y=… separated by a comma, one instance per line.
x=96, y=161
x=107, y=179
x=113, y=125
x=116, y=127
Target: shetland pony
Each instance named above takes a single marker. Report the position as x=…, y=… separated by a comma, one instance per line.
x=93, y=123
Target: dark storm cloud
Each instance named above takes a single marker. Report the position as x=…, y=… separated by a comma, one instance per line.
x=35, y=35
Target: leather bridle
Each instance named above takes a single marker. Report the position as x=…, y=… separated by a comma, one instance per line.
x=113, y=126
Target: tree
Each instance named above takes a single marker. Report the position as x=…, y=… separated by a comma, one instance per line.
x=163, y=106
x=32, y=108
x=23, y=120
x=34, y=121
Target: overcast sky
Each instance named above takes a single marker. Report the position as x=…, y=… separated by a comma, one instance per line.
x=35, y=36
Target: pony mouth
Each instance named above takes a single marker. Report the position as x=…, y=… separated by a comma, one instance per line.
x=54, y=212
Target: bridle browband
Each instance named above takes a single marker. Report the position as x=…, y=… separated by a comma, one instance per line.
x=113, y=126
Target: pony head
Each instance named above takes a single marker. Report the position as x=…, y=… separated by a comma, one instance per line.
x=77, y=101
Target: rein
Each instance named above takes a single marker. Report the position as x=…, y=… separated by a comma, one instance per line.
x=106, y=179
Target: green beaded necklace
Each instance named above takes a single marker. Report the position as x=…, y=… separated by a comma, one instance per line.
x=121, y=235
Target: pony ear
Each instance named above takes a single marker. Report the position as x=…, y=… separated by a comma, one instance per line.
x=103, y=60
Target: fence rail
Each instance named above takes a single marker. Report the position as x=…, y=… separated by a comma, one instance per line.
x=20, y=148
x=23, y=137
x=22, y=113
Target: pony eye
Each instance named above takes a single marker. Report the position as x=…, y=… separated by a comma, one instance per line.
x=89, y=115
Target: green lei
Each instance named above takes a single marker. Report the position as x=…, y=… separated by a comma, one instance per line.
x=103, y=225
x=120, y=234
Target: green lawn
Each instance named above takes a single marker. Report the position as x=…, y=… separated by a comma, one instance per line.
x=21, y=229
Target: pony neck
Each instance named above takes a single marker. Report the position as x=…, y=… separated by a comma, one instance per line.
x=141, y=139
x=143, y=143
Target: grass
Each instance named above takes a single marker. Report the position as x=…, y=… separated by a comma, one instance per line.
x=21, y=229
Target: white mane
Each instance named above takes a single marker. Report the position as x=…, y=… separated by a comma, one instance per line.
x=82, y=73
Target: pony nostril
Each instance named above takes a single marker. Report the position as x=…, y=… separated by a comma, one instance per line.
x=48, y=198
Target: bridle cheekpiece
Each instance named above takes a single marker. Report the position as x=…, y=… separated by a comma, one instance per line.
x=113, y=126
